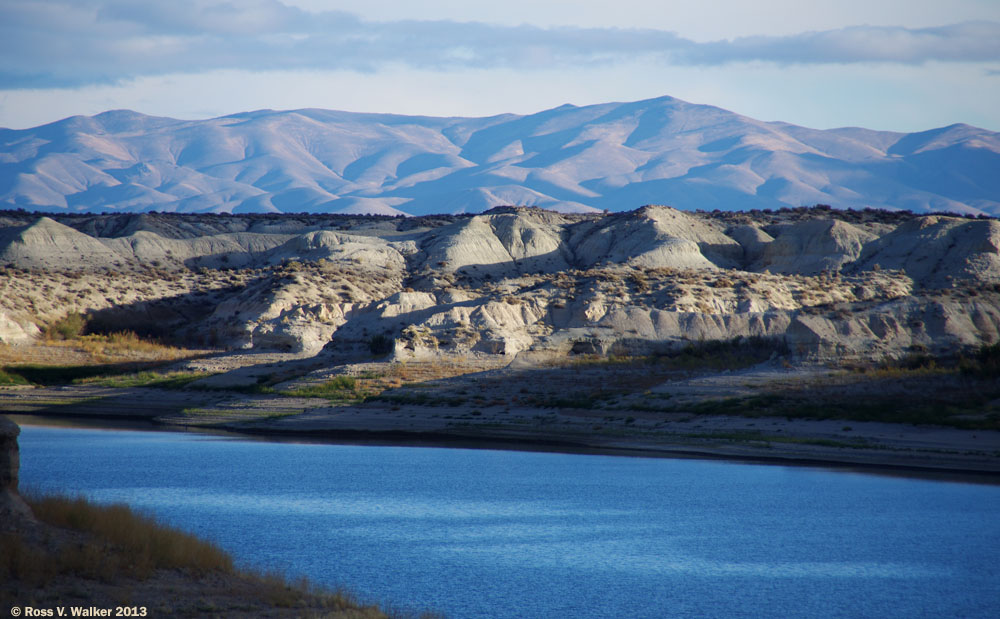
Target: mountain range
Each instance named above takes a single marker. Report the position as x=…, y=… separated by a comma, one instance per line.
x=614, y=156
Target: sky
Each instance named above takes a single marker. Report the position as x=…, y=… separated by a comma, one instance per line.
x=902, y=65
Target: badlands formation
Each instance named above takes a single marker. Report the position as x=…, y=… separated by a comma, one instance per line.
x=651, y=331
x=823, y=284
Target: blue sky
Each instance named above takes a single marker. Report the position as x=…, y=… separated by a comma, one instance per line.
x=903, y=65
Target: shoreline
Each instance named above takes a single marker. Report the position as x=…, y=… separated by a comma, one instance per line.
x=676, y=415
x=954, y=467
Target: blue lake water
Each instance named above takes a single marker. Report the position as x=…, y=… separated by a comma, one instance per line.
x=480, y=533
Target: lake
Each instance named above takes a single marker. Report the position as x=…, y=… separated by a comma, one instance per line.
x=483, y=533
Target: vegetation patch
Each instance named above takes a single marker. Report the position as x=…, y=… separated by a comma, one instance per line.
x=736, y=353
x=116, y=546
x=134, y=544
x=168, y=380
x=731, y=354
x=259, y=388
x=50, y=375
x=68, y=327
x=75, y=330
x=984, y=363
x=969, y=413
x=12, y=378
x=338, y=388
x=111, y=375
x=381, y=344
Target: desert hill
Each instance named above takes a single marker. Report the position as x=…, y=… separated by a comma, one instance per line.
x=819, y=282
x=570, y=159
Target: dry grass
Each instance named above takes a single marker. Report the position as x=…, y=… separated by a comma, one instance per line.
x=127, y=542
x=94, y=350
x=122, y=346
x=118, y=360
x=9, y=378
x=162, y=380
x=115, y=546
x=338, y=388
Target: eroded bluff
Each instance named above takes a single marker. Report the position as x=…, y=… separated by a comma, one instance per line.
x=822, y=283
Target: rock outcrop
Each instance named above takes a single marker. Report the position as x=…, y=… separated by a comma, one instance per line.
x=655, y=236
x=825, y=283
x=12, y=507
x=812, y=247
x=937, y=251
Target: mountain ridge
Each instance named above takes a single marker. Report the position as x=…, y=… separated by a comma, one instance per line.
x=613, y=156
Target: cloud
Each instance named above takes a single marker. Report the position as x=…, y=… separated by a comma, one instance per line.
x=58, y=43
x=966, y=42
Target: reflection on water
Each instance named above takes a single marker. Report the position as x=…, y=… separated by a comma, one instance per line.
x=480, y=533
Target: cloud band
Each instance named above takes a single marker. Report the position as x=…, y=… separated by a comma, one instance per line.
x=60, y=43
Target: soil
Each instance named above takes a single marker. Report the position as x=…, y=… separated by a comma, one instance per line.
x=626, y=408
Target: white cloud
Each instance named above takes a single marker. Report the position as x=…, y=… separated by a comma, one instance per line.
x=807, y=63
x=51, y=43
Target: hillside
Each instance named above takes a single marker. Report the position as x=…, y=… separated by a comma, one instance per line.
x=612, y=156
x=825, y=283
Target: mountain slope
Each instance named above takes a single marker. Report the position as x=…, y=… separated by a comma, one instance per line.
x=614, y=156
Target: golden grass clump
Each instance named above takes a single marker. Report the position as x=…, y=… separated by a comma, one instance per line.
x=120, y=345
x=118, y=545
x=133, y=542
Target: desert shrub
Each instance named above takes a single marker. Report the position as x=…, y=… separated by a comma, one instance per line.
x=918, y=361
x=168, y=380
x=12, y=378
x=735, y=353
x=985, y=362
x=381, y=344
x=337, y=388
x=640, y=282
x=68, y=327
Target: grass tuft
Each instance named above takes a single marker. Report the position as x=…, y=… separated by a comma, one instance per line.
x=120, y=545
x=12, y=378
x=168, y=380
x=112, y=375
x=340, y=388
x=127, y=542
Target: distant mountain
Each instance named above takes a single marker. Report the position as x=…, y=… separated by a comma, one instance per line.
x=614, y=156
